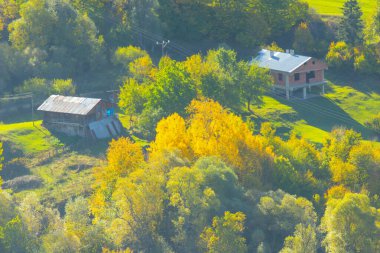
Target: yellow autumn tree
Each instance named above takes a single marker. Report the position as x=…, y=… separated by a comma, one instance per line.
x=123, y=157
x=171, y=137
x=141, y=68
x=139, y=204
x=212, y=131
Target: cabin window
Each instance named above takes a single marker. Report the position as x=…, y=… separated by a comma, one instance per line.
x=297, y=76
x=280, y=77
x=312, y=74
x=313, y=62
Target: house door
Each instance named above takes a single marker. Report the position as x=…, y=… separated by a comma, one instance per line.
x=310, y=75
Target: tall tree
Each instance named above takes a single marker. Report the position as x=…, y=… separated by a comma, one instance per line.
x=254, y=82
x=173, y=89
x=351, y=26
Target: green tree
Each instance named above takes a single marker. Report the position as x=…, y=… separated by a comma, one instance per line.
x=226, y=234
x=132, y=98
x=69, y=39
x=304, y=240
x=192, y=201
x=221, y=83
x=351, y=25
x=350, y=224
x=139, y=204
x=63, y=87
x=340, y=55
x=173, y=88
x=303, y=39
x=279, y=214
x=254, y=82
x=125, y=55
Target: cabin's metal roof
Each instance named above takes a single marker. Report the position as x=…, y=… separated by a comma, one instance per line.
x=69, y=105
x=284, y=62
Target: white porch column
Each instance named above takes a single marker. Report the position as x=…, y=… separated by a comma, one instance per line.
x=287, y=86
x=304, y=93
x=323, y=89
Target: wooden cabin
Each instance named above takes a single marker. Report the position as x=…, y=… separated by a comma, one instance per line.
x=80, y=116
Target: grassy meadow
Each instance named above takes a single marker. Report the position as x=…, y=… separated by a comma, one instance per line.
x=348, y=102
x=334, y=7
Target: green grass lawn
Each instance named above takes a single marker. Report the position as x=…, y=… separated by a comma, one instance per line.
x=29, y=138
x=348, y=103
x=334, y=7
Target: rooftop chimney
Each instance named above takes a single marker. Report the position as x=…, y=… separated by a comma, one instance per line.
x=271, y=54
x=287, y=51
x=292, y=51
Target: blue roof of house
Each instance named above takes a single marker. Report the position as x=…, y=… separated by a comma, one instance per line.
x=284, y=62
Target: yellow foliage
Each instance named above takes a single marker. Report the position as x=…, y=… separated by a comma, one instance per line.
x=172, y=136
x=141, y=67
x=343, y=172
x=336, y=192
x=139, y=201
x=212, y=131
x=105, y=250
x=123, y=157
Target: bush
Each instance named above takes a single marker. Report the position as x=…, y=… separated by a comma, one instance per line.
x=339, y=55
x=374, y=123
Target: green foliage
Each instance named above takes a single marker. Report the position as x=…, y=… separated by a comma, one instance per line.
x=63, y=87
x=126, y=55
x=68, y=41
x=304, y=240
x=351, y=25
x=42, y=88
x=374, y=123
x=279, y=214
x=249, y=22
x=132, y=97
x=274, y=47
x=254, y=81
x=225, y=235
x=173, y=89
x=303, y=39
x=350, y=224
x=339, y=55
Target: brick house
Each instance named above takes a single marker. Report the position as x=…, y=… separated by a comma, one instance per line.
x=291, y=72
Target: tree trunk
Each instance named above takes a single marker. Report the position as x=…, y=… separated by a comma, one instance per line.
x=249, y=105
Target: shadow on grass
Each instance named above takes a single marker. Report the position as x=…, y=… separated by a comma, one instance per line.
x=323, y=113
x=83, y=145
x=363, y=83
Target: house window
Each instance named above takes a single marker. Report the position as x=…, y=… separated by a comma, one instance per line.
x=296, y=76
x=312, y=74
x=280, y=77
x=313, y=62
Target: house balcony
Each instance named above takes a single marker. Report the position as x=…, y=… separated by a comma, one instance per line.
x=300, y=86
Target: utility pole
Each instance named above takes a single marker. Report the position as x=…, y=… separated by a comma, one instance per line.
x=163, y=45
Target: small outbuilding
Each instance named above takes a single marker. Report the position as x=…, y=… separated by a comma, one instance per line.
x=80, y=116
x=291, y=71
